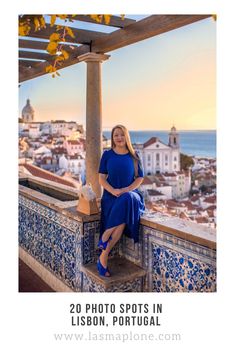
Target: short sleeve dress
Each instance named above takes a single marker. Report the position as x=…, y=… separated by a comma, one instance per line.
x=128, y=207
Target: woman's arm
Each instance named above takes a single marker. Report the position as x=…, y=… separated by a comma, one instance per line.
x=136, y=183
x=103, y=182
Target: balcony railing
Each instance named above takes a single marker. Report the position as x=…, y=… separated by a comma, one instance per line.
x=60, y=245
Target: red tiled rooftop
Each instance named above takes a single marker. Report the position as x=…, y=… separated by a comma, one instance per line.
x=150, y=141
x=210, y=199
x=44, y=174
x=202, y=220
x=147, y=181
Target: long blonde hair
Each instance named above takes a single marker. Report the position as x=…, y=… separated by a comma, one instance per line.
x=128, y=140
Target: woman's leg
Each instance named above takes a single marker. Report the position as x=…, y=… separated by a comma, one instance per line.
x=116, y=235
x=107, y=233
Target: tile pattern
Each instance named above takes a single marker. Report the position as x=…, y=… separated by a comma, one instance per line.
x=89, y=285
x=52, y=239
x=62, y=245
x=177, y=265
x=130, y=250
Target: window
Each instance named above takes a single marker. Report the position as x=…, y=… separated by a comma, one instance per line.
x=157, y=156
x=166, y=157
x=149, y=157
x=175, y=158
x=175, y=140
x=157, y=145
x=166, y=163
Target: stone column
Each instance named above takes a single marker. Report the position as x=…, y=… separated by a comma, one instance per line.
x=93, y=117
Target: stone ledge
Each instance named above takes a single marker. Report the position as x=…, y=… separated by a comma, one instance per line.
x=121, y=269
x=183, y=229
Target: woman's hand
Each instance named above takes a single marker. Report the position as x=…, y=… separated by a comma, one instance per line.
x=116, y=192
x=123, y=190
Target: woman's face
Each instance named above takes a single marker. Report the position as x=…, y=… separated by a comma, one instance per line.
x=119, y=138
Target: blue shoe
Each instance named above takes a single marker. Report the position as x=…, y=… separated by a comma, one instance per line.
x=103, y=244
x=102, y=270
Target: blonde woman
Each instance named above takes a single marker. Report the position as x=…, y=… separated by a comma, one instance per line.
x=120, y=174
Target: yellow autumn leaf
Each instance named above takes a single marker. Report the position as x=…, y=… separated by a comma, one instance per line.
x=122, y=17
x=52, y=47
x=60, y=58
x=107, y=19
x=70, y=32
x=54, y=37
x=62, y=17
x=214, y=17
x=65, y=54
x=53, y=75
x=49, y=68
x=42, y=21
x=53, y=19
x=24, y=29
x=57, y=73
x=96, y=18
x=36, y=23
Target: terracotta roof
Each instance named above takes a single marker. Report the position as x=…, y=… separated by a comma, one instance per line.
x=172, y=203
x=154, y=193
x=187, y=204
x=195, y=198
x=211, y=208
x=59, y=150
x=74, y=142
x=41, y=173
x=146, y=181
x=202, y=220
x=170, y=174
x=183, y=215
x=150, y=141
x=210, y=199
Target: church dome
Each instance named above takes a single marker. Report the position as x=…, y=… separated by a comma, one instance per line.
x=28, y=109
x=173, y=129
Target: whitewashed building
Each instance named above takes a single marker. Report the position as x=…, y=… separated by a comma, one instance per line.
x=62, y=127
x=34, y=130
x=74, y=147
x=180, y=182
x=73, y=164
x=158, y=157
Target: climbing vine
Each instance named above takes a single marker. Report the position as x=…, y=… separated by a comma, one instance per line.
x=55, y=47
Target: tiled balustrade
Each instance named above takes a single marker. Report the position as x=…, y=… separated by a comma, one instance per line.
x=57, y=242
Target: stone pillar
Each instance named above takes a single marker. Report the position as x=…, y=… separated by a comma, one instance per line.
x=93, y=117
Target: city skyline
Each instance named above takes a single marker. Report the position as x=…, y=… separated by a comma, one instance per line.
x=171, y=86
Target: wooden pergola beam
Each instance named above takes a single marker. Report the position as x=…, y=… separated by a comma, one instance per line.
x=81, y=36
x=143, y=29
x=35, y=55
x=28, y=63
x=115, y=21
x=39, y=68
x=32, y=44
x=37, y=45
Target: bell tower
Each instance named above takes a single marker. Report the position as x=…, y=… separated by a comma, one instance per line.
x=173, y=138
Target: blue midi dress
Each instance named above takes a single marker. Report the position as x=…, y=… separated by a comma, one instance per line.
x=128, y=207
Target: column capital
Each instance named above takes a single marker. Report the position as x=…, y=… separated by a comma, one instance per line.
x=93, y=57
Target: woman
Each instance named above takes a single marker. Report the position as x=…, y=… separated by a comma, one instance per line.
x=120, y=174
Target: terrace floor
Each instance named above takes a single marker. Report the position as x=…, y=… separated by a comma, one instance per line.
x=29, y=281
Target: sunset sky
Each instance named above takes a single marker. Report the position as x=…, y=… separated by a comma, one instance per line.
x=168, y=79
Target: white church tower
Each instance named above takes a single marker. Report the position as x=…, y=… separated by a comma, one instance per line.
x=28, y=113
x=175, y=148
